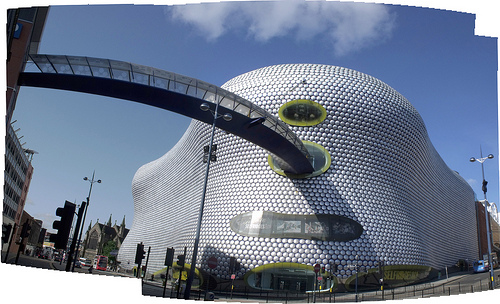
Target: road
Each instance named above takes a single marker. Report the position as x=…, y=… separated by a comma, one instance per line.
x=56, y=265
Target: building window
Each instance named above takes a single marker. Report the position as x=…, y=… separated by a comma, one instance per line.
x=319, y=158
x=324, y=227
x=302, y=112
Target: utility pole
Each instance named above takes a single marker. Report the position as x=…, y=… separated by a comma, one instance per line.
x=75, y=238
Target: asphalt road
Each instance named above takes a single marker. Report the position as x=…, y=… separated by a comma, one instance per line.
x=56, y=265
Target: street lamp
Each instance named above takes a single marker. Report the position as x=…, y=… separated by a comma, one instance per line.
x=486, y=204
x=91, y=181
x=356, y=287
x=227, y=117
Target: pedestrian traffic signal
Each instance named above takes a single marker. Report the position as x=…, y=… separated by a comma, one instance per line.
x=169, y=259
x=63, y=227
x=139, y=253
x=181, y=259
x=6, y=232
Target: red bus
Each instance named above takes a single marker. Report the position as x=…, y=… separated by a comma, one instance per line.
x=100, y=262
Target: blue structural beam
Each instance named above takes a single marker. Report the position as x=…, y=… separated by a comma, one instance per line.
x=172, y=92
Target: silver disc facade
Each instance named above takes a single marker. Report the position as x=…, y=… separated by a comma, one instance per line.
x=382, y=174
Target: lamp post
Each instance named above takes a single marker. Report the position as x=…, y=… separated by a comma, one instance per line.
x=227, y=117
x=486, y=204
x=356, y=286
x=92, y=181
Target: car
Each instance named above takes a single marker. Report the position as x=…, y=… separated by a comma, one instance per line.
x=78, y=264
x=481, y=266
x=85, y=262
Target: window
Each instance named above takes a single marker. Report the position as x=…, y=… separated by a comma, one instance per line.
x=319, y=158
x=302, y=112
x=323, y=227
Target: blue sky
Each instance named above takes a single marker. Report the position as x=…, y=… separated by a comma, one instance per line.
x=430, y=56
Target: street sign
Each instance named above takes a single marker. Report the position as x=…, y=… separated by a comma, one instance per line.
x=317, y=267
x=233, y=276
x=320, y=278
x=212, y=262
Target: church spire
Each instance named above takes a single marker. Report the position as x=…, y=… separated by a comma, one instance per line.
x=109, y=221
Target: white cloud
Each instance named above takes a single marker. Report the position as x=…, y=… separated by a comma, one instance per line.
x=348, y=26
x=472, y=182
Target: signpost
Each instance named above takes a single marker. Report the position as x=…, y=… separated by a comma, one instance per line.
x=317, y=267
x=212, y=262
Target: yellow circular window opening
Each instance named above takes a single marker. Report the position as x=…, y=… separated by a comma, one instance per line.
x=319, y=157
x=302, y=112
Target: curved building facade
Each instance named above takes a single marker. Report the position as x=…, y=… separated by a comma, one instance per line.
x=380, y=191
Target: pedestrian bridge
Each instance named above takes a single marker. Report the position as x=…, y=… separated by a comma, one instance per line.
x=172, y=92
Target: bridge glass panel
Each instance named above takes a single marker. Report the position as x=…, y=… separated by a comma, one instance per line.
x=137, y=68
x=43, y=63
x=178, y=87
x=227, y=103
x=209, y=96
x=98, y=62
x=120, y=65
x=196, y=92
x=73, y=60
x=101, y=72
x=160, y=82
x=82, y=70
x=163, y=74
x=140, y=78
x=242, y=109
x=63, y=68
x=121, y=74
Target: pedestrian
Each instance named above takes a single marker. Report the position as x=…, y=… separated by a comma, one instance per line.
x=90, y=269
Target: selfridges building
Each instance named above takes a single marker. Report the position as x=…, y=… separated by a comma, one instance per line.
x=380, y=193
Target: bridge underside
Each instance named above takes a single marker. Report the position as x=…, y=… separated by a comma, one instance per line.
x=176, y=102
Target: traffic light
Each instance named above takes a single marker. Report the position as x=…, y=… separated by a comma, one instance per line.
x=6, y=232
x=63, y=226
x=484, y=188
x=233, y=265
x=380, y=266
x=139, y=253
x=169, y=259
x=180, y=260
x=25, y=232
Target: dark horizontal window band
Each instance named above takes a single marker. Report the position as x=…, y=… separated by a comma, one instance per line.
x=324, y=227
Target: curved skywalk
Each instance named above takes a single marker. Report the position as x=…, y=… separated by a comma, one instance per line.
x=173, y=92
